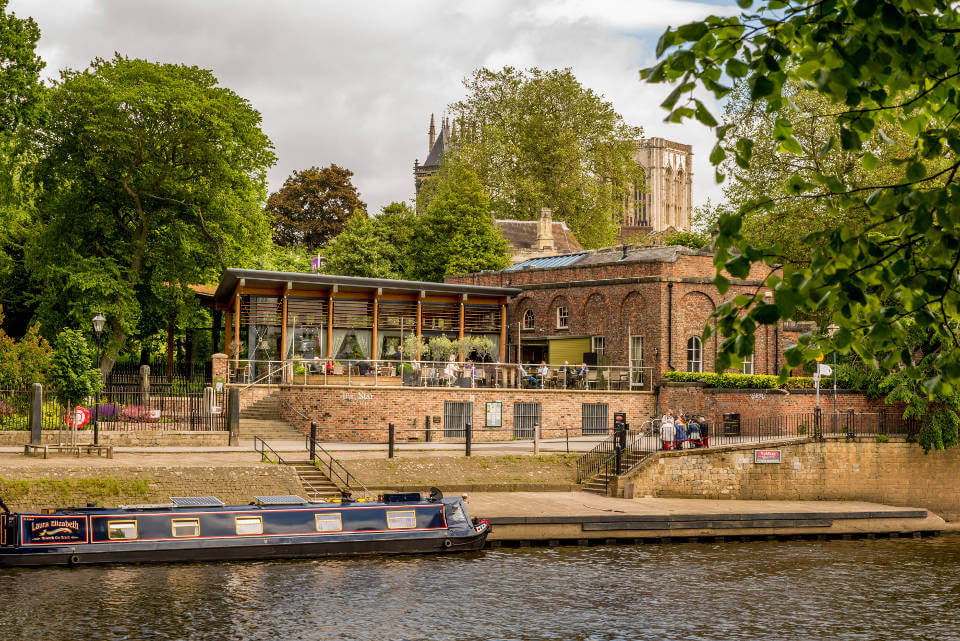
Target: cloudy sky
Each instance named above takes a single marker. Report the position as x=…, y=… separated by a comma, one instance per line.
x=354, y=83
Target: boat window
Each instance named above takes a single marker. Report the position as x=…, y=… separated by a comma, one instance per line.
x=399, y=520
x=249, y=525
x=329, y=522
x=186, y=527
x=121, y=529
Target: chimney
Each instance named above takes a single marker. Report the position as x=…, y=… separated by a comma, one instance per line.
x=545, y=230
x=432, y=135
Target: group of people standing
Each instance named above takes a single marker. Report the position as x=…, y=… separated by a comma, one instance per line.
x=676, y=431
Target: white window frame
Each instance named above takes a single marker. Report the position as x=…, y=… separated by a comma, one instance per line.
x=182, y=523
x=597, y=345
x=747, y=366
x=121, y=526
x=248, y=525
x=694, y=354
x=563, y=319
x=636, y=358
x=529, y=320
x=401, y=519
x=324, y=520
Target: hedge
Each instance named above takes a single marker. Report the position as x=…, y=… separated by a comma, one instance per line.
x=740, y=381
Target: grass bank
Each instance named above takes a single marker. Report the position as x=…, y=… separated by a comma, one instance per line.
x=477, y=473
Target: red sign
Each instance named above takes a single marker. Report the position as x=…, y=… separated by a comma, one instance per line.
x=766, y=456
x=79, y=417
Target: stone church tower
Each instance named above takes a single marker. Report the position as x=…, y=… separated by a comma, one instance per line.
x=668, y=167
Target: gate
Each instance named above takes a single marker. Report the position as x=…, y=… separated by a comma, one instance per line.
x=525, y=416
x=456, y=415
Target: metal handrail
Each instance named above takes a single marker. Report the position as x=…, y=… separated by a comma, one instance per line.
x=263, y=456
x=596, y=460
x=269, y=375
x=331, y=460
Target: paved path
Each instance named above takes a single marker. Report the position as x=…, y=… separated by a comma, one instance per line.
x=575, y=515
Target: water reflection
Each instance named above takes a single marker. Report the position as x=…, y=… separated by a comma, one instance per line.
x=907, y=589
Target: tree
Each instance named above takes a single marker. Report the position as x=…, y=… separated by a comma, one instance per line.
x=313, y=206
x=25, y=361
x=395, y=226
x=772, y=167
x=21, y=95
x=691, y=239
x=541, y=139
x=456, y=234
x=153, y=178
x=73, y=372
x=359, y=251
x=874, y=63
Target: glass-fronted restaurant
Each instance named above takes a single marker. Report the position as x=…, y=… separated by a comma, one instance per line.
x=313, y=318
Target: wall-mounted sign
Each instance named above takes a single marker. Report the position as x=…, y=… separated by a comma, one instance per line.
x=766, y=456
x=494, y=414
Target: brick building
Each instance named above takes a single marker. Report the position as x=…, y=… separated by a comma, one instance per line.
x=640, y=306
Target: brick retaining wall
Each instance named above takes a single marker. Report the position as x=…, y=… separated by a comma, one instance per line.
x=348, y=408
x=893, y=473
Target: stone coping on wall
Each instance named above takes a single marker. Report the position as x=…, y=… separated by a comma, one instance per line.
x=755, y=390
x=132, y=438
x=466, y=390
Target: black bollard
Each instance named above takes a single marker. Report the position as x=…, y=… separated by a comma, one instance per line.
x=313, y=441
x=429, y=433
x=469, y=434
x=390, y=436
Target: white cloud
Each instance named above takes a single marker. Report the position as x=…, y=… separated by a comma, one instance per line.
x=355, y=83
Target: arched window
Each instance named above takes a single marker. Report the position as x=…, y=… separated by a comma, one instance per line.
x=528, y=319
x=694, y=355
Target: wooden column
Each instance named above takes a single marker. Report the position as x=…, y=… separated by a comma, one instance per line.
x=329, y=326
x=283, y=328
x=236, y=329
x=461, y=327
x=227, y=334
x=503, y=333
x=374, y=351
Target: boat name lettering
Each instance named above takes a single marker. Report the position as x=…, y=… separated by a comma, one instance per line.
x=42, y=525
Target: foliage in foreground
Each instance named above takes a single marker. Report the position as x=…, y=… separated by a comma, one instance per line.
x=874, y=64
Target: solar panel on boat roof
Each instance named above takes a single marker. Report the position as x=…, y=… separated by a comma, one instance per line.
x=282, y=499
x=196, y=501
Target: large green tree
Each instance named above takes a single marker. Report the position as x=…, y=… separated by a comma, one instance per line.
x=809, y=117
x=541, y=139
x=313, y=206
x=359, y=250
x=20, y=110
x=456, y=234
x=874, y=63
x=153, y=178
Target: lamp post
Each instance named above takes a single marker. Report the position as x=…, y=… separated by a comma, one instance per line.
x=831, y=330
x=98, y=322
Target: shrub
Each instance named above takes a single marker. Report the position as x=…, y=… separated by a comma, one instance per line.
x=6, y=410
x=740, y=381
x=883, y=438
x=136, y=414
x=108, y=411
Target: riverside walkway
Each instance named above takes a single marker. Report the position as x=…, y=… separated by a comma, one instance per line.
x=579, y=518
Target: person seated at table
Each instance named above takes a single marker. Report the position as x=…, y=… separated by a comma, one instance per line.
x=569, y=373
x=365, y=368
x=580, y=376
x=328, y=368
x=543, y=372
x=530, y=380
x=450, y=371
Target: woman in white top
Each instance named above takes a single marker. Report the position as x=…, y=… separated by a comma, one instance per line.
x=450, y=372
x=667, y=431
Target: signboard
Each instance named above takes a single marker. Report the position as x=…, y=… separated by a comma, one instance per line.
x=218, y=384
x=766, y=456
x=79, y=417
x=494, y=414
x=824, y=370
x=155, y=415
x=39, y=530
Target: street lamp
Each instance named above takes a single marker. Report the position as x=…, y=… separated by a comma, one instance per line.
x=831, y=330
x=98, y=322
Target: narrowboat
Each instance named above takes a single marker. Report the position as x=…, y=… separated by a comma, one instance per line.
x=271, y=527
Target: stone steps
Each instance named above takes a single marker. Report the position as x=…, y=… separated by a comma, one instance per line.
x=322, y=486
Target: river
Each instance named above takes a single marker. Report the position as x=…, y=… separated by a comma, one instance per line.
x=845, y=590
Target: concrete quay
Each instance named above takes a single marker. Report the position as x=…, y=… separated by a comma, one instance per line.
x=579, y=518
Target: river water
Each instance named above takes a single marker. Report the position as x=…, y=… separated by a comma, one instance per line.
x=846, y=590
